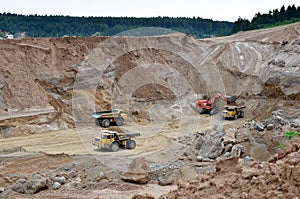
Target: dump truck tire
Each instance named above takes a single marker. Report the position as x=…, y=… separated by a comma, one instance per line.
x=119, y=121
x=235, y=116
x=130, y=144
x=105, y=123
x=242, y=114
x=114, y=146
x=97, y=123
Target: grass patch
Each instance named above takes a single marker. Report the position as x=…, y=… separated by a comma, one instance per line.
x=290, y=134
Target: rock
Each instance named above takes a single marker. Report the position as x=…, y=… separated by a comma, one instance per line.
x=101, y=174
x=236, y=150
x=199, y=158
x=61, y=179
x=2, y=189
x=246, y=160
x=228, y=148
x=284, y=42
x=270, y=127
x=229, y=136
x=243, y=135
x=7, y=179
x=56, y=185
x=145, y=196
x=268, y=121
x=72, y=174
x=138, y=165
x=78, y=179
x=74, y=165
x=228, y=165
x=139, y=178
x=164, y=182
x=295, y=123
x=137, y=172
x=30, y=186
x=258, y=126
x=281, y=63
x=202, y=159
x=250, y=172
x=227, y=154
x=186, y=153
x=180, y=157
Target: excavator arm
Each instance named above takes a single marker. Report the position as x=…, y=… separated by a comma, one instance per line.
x=217, y=96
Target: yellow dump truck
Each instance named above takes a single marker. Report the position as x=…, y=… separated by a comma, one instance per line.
x=105, y=118
x=233, y=112
x=113, y=140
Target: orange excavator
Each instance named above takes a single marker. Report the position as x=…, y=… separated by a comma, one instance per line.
x=211, y=105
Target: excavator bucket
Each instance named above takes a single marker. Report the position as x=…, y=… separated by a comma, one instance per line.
x=231, y=99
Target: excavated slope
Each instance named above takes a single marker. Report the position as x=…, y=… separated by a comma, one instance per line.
x=37, y=75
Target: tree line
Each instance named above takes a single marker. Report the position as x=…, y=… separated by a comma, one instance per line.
x=275, y=17
x=57, y=26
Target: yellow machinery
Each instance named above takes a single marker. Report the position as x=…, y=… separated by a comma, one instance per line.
x=113, y=140
x=233, y=112
x=105, y=118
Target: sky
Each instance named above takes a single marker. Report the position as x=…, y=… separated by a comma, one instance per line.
x=221, y=10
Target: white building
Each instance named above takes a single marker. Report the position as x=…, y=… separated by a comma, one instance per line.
x=9, y=36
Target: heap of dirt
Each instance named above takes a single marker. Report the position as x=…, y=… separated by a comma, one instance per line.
x=276, y=178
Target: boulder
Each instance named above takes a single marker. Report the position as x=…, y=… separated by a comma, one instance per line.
x=60, y=179
x=56, y=185
x=229, y=137
x=139, y=178
x=270, y=127
x=246, y=160
x=164, y=182
x=72, y=174
x=243, y=134
x=30, y=186
x=236, y=150
x=258, y=126
x=228, y=165
x=137, y=172
x=295, y=123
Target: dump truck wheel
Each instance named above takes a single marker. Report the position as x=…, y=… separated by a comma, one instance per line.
x=130, y=144
x=242, y=114
x=105, y=123
x=235, y=116
x=119, y=121
x=114, y=146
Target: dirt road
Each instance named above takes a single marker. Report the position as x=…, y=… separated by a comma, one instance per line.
x=157, y=143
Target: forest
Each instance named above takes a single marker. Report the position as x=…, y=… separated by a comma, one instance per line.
x=275, y=17
x=58, y=26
